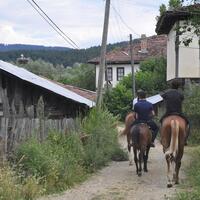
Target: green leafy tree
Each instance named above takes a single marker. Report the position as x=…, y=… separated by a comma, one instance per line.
x=174, y=4
x=82, y=75
x=118, y=101
x=151, y=78
x=162, y=9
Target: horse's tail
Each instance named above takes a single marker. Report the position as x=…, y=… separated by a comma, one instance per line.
x=174, y=136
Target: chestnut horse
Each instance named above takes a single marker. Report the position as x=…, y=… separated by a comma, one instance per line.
x=141, y=141
x=173, y=135
x=130, y=118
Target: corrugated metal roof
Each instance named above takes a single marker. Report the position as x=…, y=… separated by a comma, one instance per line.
x=153, y=99
x=44, y=83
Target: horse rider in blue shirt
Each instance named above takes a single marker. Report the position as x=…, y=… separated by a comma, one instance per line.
x=144, y=114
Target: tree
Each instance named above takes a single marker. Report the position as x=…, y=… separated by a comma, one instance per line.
x=80, y=75
x=162, y=9
x=151, y=78
x=174, y=4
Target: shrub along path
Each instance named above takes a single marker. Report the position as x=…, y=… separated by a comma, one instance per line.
x=119, y=181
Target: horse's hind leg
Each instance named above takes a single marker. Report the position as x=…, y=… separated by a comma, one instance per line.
x=169, y=181
x=146, y=155
x=130, y=154
x=177, y=167
x=141, y=154
x=135, y=159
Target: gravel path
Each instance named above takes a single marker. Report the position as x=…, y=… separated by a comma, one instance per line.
x=119, y=181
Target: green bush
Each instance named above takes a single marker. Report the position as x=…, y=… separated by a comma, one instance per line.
x=191, y=107
x=57, y=161
x=102, y=142
x=119, y=100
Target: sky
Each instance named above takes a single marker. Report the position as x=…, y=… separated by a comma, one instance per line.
x=81, y=20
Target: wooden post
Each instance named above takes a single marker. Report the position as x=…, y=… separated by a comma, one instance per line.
x=103, y=55
x=40, y=116
x=132, y=66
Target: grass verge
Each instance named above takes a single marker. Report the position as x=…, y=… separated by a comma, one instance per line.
x=191, y=187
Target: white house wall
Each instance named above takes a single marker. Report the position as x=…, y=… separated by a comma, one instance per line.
x=171, y=64
x=189, y=60
x=127, y=70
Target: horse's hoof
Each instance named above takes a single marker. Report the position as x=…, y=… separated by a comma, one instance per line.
x=176, y=182
x=130, y=164
x=169, y=185
x=139, y=174
x=145, y=170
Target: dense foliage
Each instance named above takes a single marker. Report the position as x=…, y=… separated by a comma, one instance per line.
x=62, y=160
x=151, y=78
x=80, y=75
x=192, y=108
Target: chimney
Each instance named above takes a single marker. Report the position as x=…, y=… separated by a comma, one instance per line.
x=143, y=44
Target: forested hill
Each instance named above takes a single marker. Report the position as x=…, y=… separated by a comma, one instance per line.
x=54, y=55
x=15, y=47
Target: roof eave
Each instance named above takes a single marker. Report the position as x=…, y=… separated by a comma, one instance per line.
x=168, y=19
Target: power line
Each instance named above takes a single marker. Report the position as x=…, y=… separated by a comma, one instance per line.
x=53, y=25
x=120, y=17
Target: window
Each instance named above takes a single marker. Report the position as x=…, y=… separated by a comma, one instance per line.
x=109, y=74
x=120, y=73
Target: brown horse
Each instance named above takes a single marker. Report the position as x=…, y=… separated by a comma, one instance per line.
x=141, y=141
x=130, y=118
x=173, y=135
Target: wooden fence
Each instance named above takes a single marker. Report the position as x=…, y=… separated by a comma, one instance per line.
x=14, y=131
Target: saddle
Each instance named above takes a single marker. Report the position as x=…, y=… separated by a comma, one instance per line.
x=174, y=113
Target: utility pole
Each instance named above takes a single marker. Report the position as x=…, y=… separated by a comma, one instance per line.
x=103, y=55
x=132, y=66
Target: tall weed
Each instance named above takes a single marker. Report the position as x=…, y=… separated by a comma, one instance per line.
x=9, y=187
x=57, y=161
x=102, y=142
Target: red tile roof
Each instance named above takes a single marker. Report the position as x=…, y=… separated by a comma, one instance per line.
x=88, y=94
x=156, y=46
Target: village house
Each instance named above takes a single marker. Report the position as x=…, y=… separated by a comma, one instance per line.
x=182, y=61
x=118, y=61
x=30, y=104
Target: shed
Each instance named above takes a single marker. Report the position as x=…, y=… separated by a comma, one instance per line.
x=30, y=103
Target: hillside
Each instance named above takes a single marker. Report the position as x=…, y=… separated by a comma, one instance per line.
x=15, y=47
x=54, y=55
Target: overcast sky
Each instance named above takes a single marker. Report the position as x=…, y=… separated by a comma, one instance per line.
x=81, y=20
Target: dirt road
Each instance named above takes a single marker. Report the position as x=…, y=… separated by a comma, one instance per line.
x=119, y=181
